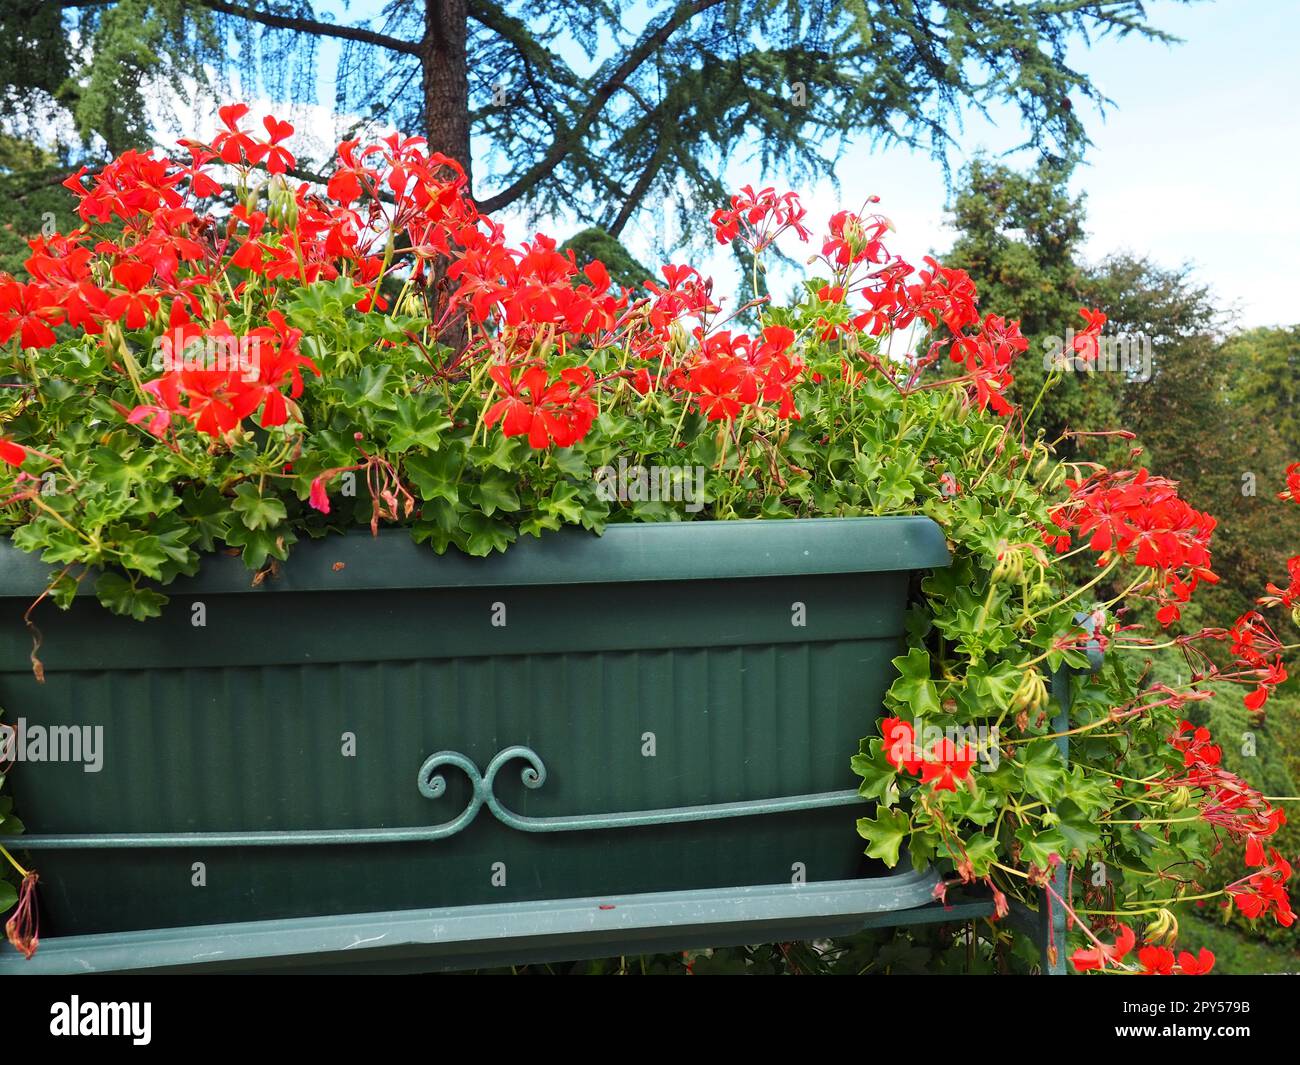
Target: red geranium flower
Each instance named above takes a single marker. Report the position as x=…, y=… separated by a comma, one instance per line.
x=1156, y=961
x=133, y=307
x=1099, y=957
x=233, y=144
x=14, y=454
x=946, y=765
x=29, y=311
x=900, y=748
x=1195, y=965
x=278, y=159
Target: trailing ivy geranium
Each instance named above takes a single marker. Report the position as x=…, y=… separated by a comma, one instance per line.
x=220, y=358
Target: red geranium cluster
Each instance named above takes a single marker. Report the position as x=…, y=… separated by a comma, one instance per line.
x=988, y=357
x=896, y=294
x=1259, y=652
x=30, y=311
x=547, y=412
x=1232, y=806
x=940, y=295
x=237, y=147
x=1264, y=891
x=758, y=218
x=533, y=286
x=1154, y=960
x=1140, y=517
x=216, y=399
x=1290, y=595
x=173, y=262
x=172, y=259
x=1086, y=345
x=656, y=327
x=943, y=766
x=1159, y=961
x=937, y=296
x=177, y=264
x=854, y=239
x=727, y=372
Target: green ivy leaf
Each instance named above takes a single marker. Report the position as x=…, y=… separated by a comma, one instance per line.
x=122, y=597
x=569, y=462
x=496, y=491
x=207, y=514
x=415, y=422
x=1085, y=792
x=885, y=835
x=435, y=476
x=1037, y=848
x=914, y=689
x=258, y=545
x=981, y=850
x=256, y=510
x=1043, y=771
x=368, y=388
x=120, y=473
x=138, y=551
x=1080, y=831
x=483, y=534
x=564, y=503
x=994, y=685
x=870, y=763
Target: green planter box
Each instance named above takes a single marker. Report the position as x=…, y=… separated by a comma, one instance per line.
x=667, y=707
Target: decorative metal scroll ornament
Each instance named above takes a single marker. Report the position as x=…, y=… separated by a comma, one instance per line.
x=433, y=785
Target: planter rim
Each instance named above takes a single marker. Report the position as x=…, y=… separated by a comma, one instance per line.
x=629, y=552
x=474, y=936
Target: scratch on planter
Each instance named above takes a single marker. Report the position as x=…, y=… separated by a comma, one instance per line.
x=361, y=942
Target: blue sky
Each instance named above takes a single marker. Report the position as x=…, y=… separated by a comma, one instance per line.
x=1196, y=161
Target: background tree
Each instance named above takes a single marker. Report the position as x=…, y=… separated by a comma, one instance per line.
x=1265, y=377
x=595, y=243
x=1209, y=412
x=1019, y=235
x=33, y=196
x=655, y=116
x=1217, y=414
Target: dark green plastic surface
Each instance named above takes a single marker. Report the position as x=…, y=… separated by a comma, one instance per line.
x=684, y=631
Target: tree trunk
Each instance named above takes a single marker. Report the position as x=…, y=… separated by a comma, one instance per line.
x=445, y=77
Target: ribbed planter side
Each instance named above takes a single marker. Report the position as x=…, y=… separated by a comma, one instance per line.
x=656, y=668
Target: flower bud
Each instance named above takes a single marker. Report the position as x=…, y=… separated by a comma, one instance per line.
x=1010, y=565
x=281, y=204
x=1031, y=695
x=1164, y=929
x=412, y=304
x=855, y=235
